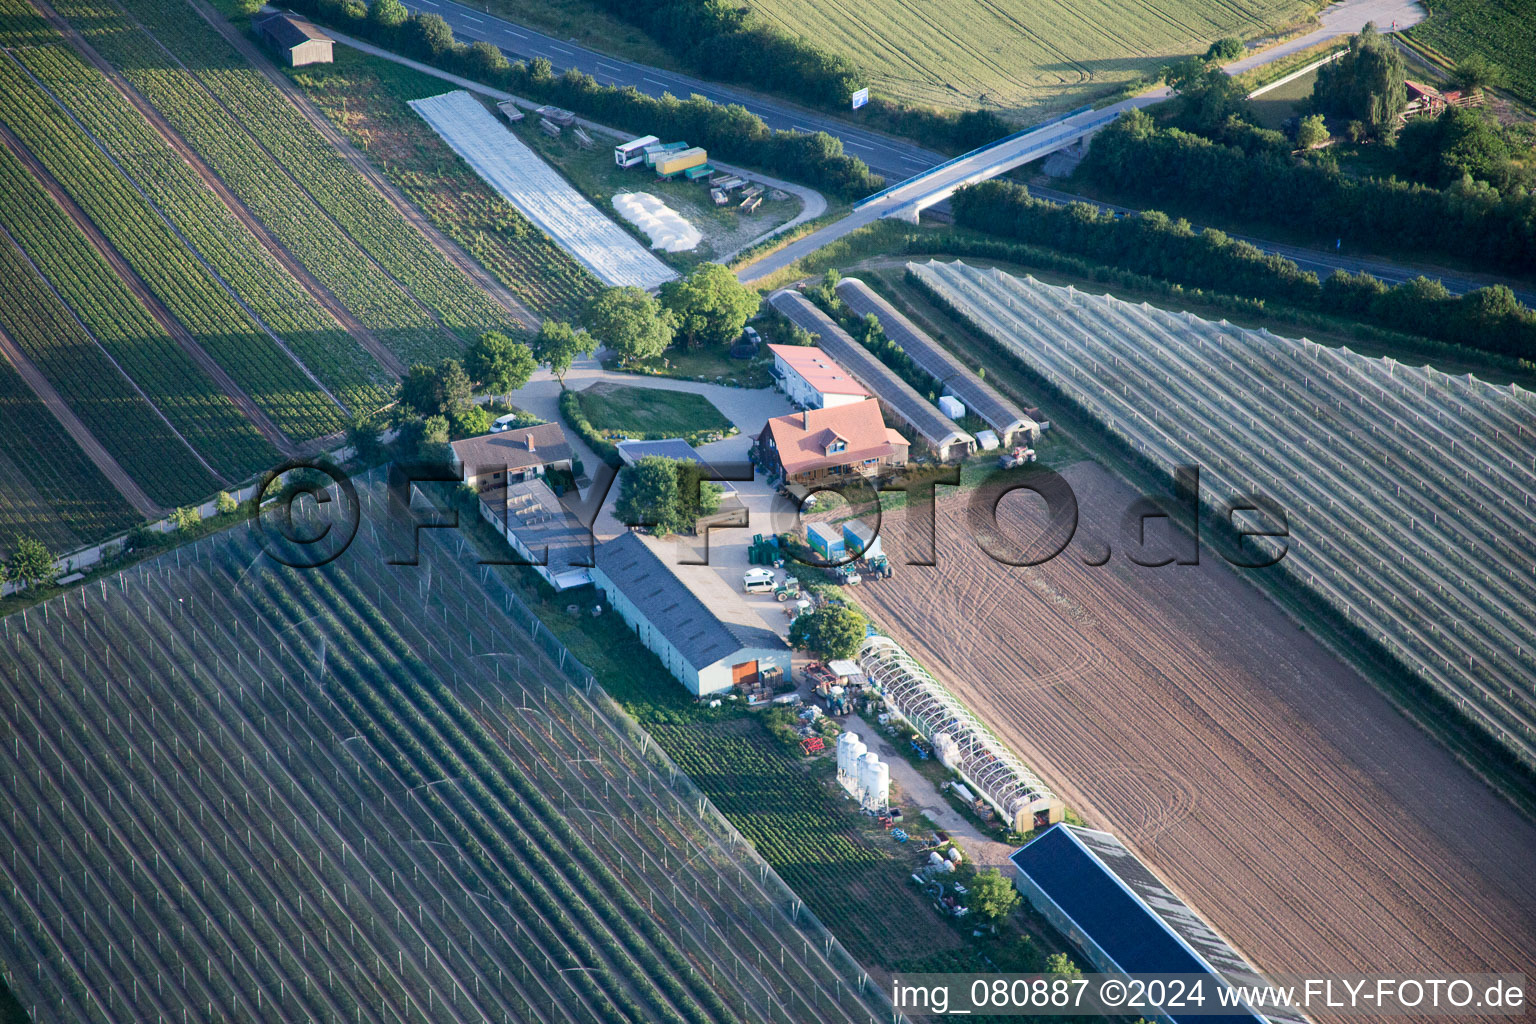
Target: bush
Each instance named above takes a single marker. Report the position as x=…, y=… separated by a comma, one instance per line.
x=570, y=411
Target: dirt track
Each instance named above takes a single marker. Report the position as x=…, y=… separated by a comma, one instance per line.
x=1308, y=820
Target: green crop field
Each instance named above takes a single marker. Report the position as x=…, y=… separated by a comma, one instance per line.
x=1503, y=31
x=200, y=56
x=48, y=488
x=366, y=97
x=157, y=255
x=1023, y=58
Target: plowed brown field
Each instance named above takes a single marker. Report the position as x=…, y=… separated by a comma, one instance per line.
x=1280, y=793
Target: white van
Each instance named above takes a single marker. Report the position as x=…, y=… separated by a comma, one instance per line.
x=758, y=581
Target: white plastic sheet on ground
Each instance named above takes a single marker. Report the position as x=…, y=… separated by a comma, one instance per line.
x=539, y=192
x=667, y=229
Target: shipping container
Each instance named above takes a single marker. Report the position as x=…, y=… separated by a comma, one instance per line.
x=676, y=163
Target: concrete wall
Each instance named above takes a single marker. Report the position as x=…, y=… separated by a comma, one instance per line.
x=800, y=391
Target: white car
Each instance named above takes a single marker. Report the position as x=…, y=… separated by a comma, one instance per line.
x=758, y=581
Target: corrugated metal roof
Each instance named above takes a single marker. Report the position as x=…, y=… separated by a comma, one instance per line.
x=672, y=609
x=934, y=427
x=933, y=359
x=1131, y=914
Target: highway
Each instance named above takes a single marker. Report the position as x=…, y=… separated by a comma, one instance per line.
x=894, y=158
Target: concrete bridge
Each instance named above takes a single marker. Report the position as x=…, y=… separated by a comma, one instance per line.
x=906, y=200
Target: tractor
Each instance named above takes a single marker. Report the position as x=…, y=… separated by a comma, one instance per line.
x=1017, y=457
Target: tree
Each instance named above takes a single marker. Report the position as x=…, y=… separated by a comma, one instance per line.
x=31, y=564
x=1366, y=84
x=486, y=60
x=1312, y=131
x=829, y=632
x=1225, y=49
x=648, y=494
x=387, y=14
x=499, y=363
x=697, y=496
x=1474, y=73
x=186, y=517
x=558, y=344
x=540, y=69
x=363, y=438
x=226, y=504
x=443, y=390
x=472, y=422
x=710, y=305
x=433, y=444
x=428, y=35
x=630, y=323
x=992, y=897
x=1060, y=963
x=1208, y=96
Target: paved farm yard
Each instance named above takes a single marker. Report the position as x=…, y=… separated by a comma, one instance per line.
x=1025, y=57
x=1274, y=787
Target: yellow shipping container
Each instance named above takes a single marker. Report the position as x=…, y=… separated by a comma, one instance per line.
x=676, y=163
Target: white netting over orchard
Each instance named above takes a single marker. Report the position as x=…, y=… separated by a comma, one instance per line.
x=1409, y=492
x=539, y=192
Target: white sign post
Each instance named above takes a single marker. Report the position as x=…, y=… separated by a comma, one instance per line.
x=860, y=98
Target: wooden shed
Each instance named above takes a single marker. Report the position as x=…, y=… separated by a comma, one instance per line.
x=298, y=41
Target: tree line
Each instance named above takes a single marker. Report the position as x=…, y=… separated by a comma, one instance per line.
x=1157, y=245
x=1468, y=221
x=730, y=131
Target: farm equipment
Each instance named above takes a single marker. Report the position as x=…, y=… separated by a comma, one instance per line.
x=899, y=835
x=564, y=118
x=1017, y=457
x=878, y=567
x=921, y=749
x=844, y=575
x=812, y=745
x=786, y=590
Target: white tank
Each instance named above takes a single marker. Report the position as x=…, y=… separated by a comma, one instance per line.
x=877, y=786
x=955, y=855
x=845, y=743
x=935, y=858
x=856, y=750
x=870, y=779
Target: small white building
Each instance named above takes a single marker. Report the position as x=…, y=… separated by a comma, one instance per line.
x=812, y=380
x=706, y=653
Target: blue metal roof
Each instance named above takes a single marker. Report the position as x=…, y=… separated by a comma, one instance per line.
x=1098, y=883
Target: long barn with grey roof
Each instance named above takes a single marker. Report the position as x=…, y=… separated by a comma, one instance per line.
x=896, y=396
x=939, y=363
x=707, y=652
x=1126, y=921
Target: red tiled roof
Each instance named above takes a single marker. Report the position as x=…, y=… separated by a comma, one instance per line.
x=802, y=438
x=818, y=369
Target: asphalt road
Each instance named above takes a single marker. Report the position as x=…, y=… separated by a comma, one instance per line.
x=889, y=156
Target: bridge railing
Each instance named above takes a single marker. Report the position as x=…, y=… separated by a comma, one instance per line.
x=967, y=155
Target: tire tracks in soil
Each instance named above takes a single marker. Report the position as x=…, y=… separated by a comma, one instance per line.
x=1308, y=820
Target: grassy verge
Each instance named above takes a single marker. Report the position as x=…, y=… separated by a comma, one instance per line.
x=616, y=410
x=706, y=365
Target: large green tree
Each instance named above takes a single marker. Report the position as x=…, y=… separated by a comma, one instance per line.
x=710, y=305
x=630, y=322
x=992, y=896
x=558, y=344
x=648, y=494
x=829, y=632
x=31, y=564
x=1365, y=85
x=499, y=363
x=441, y=390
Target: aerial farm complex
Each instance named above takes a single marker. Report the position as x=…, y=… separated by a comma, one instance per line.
x=549, y=514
